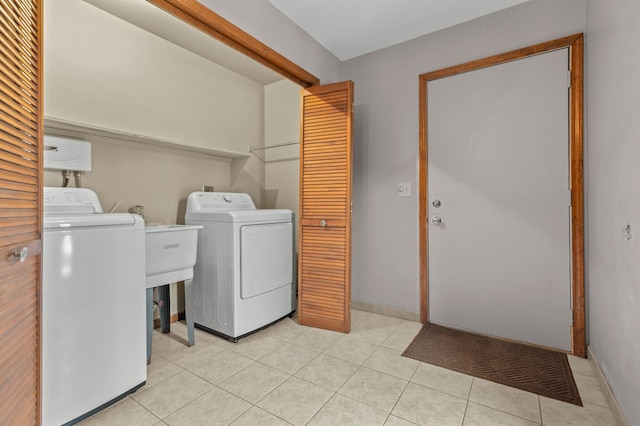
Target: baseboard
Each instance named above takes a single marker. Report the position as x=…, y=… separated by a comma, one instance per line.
x=176, y=316
x=386, y=310
x=606, y=389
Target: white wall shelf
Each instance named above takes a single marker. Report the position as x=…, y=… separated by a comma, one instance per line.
x=59, y=127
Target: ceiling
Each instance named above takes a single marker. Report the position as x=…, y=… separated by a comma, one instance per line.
x=347, y=28
x=350, y=28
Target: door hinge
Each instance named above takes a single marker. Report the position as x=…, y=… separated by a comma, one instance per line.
x=568, y=78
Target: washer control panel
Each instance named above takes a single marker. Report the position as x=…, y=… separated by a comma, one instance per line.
x=70, y=200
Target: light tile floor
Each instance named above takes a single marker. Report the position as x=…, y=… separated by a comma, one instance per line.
x=290, y=374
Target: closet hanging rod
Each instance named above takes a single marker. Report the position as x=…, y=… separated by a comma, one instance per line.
x=275, y=145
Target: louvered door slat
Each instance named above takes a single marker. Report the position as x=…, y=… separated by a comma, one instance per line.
x=22, y=70
x=14, y=39
x=16, y=110
x=16, y=161
x=17, y=14
x=324, y=276
x=17, y=142
x=17, y=92
x=31, y=170
x=25, y=128
x=329, y=177
x=322, y=135
x=20, y=209
x=19, y=33
x=7, y=175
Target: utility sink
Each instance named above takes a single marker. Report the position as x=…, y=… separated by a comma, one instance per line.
x=170, y=253
x=170, y=257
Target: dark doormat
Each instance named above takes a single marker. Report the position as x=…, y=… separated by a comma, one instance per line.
x=530, y=368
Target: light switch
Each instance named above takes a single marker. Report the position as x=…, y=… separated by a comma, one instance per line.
x=404, y=189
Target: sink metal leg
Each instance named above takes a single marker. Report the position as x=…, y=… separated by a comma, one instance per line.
x=188, y=296
x=149, y=323
x=164, y=304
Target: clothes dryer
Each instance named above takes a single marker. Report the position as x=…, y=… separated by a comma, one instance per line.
x=244, y=274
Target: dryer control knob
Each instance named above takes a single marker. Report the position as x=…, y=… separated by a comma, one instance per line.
x=227, y=198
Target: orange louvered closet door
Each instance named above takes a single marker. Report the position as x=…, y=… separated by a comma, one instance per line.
x=324, y=278
x=20, y=209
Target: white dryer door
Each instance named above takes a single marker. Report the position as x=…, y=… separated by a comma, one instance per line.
x=266, y=258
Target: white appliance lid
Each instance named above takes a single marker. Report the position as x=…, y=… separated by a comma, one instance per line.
x=61, y=222
x=65, y=208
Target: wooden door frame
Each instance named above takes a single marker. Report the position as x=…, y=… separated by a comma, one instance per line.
x=575, y=44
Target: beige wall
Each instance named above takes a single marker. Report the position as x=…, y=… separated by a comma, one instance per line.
x=104, y=72
x=282, y=164
x=160, y=179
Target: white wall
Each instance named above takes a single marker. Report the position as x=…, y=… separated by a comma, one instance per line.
x=104, y=72
x=385, y=227
x=266, y=23
x=613, y=201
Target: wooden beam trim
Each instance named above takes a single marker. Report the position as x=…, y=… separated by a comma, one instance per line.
x=216, y=26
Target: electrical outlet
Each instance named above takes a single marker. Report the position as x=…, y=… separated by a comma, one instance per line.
x=404, y=189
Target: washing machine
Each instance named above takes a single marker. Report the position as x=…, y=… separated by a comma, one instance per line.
x=244, y=274
x=93, y=306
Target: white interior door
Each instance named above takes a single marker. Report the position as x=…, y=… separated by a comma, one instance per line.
x=498, y=162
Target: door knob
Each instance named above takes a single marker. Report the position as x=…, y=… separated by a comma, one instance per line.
x=323, y=223
x=436, y=220
x=18, y=255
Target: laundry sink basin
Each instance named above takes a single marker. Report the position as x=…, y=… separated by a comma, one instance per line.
x=170, y=253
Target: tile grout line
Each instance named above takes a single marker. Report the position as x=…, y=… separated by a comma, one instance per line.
x=464, y=415
x=400, y=396
x=363, y=366
x=506, y=412
x=320, y=409
x=403, y=389
x=146, y=409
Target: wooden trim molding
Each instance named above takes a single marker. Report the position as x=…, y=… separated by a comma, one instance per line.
x=576, y=153
x=209, y=22
x=575, y=43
